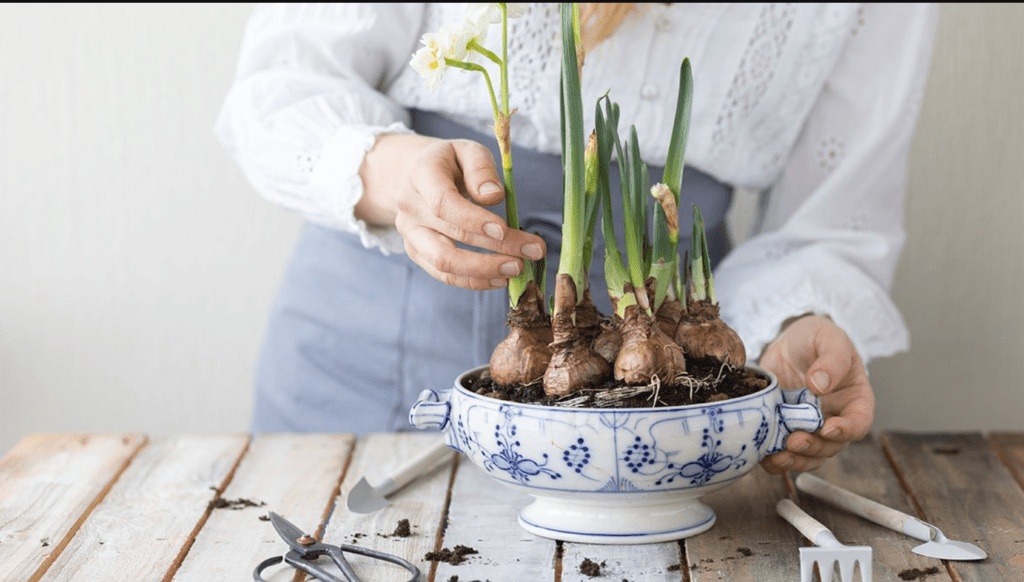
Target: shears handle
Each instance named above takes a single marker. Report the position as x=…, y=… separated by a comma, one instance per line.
x=336, y=553
x=304, y=563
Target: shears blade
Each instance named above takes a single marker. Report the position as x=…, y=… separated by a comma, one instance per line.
x=292, y=534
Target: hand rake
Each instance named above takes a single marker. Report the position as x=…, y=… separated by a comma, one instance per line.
x=828, y=552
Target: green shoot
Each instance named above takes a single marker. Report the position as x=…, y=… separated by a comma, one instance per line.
x=573, y=227
x=703, y=285
x=593, y=199
x=634, y=213
x=616, y=276
x=673, y=174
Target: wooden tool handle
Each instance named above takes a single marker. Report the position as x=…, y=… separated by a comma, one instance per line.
x=862, y=506
x=807, y=525
x=417, y=466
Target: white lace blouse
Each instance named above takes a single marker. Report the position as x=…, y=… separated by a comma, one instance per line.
x=813, y=105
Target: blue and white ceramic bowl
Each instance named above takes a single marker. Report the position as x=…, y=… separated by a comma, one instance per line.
x=617, y=475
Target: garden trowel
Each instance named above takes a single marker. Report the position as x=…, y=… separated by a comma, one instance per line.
x=935, y=544
x=365, y=498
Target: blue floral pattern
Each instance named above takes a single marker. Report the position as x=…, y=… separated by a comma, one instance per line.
x=639, y=455
x=611, y=451
x=508, y=458
x=577, y=455
x=707, y=465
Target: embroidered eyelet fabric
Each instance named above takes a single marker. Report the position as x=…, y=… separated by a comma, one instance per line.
x=811, y=105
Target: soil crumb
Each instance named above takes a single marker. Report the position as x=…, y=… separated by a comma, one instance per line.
x=221, y=503
x=453, y=557
x=402, y=530
x=745, y=551
x=590, y=567
x=918, y=574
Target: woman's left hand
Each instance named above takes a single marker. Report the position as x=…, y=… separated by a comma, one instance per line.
x=814, y=352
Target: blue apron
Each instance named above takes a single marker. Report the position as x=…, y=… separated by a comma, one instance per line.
x=354, y=336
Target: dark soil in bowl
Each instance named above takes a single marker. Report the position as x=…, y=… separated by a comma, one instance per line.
x=707, y=380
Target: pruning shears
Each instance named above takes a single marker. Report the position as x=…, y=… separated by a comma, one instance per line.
x=305, y=550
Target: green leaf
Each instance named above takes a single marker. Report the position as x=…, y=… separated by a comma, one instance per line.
x=675, y=162
x=572, y=157
x=673, y=175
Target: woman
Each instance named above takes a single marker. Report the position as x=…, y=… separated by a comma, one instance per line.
x=397, y=283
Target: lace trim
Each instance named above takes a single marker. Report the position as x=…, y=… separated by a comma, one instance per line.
x=868, y=317
x=756, y=69
x=756, y=159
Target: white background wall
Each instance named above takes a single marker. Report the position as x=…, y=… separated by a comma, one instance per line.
x=137, y=265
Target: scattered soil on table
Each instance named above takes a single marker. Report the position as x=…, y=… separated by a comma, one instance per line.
x=917, y=573
x=674, y=567
x=946, y=450
x=402, y=530
x=221, y=503
x=455, y=578
x=453, y=557
x=590, y=567
x=745, y=551
x=707, y=380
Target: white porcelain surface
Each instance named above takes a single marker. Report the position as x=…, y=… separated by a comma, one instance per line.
x=617, y=476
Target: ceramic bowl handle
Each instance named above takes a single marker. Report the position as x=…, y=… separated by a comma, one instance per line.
x=431, y=410
x=799, y=410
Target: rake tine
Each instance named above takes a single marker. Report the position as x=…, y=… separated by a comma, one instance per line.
x=829, y=552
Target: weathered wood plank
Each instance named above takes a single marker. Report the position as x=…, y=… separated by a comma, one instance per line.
x=148, y=518
x=1010, y=446
x=482, y=515
x=960, y=485
x=864, y=469
x=661, y=562
x=749, y=541
x=48, y=485
x=293, y=475
x=422, y=502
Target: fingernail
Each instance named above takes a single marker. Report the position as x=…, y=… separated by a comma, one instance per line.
x=509, y=269
x=820, y=381
x=490, y=189
x=830, y=432
x=802, y=447
x=533, y=251
x=494, y=231
x=498, y=282
x=786, y=462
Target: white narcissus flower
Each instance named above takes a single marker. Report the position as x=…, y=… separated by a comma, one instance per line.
x=483, y=14
x=479, y=17
x=429, y=60
x=451, y=42
x=458, y=39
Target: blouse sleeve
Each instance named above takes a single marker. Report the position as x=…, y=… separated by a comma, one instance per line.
x=831, y=227
x=308, y=101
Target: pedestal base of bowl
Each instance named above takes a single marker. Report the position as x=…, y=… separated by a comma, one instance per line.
x=631, y=522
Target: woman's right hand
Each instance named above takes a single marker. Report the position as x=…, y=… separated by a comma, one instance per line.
x=433, y=191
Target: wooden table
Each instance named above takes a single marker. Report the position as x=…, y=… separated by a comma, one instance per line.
x=99, y=507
